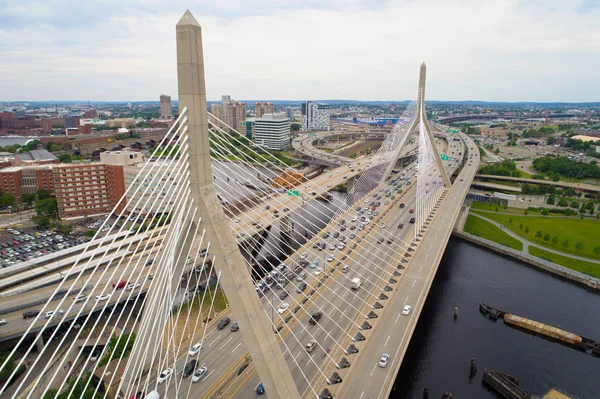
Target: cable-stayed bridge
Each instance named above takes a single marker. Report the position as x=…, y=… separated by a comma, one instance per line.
x=142, y=311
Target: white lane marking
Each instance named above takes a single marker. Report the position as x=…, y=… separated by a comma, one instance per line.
x=386, y=340
x=216, y=339
x=222, y=346
x=421, y=268
x=238, y=345
x=309, y=360
x=343, y=313
x=361, y=395
x=397, y=318
x=414, y=281
x=374, y=367
x=212, y=371
x=426, y=256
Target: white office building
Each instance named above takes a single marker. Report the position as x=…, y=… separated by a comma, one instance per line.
x=272, y=131
x=315, y=116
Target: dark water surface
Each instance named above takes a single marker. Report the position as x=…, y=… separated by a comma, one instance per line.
x=441, y=348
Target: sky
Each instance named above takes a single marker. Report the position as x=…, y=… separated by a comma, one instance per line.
x=504, y=50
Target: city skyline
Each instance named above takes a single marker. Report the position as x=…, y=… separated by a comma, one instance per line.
x=539, y=52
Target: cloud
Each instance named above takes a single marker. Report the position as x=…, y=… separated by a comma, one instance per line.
x=350, y=49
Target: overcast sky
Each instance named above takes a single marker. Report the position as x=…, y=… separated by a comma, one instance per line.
x=501, y=50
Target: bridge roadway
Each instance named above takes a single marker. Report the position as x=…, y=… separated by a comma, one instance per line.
x=395, y=330
x=224, y=352
x=576, y=186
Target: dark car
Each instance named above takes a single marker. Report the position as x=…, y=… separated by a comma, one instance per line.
x=283, y=295
x=401, y=225
x=235, y=326
x=314, y=319
x=402, y=205
x=301, y=288
x=223, y=323
x=189, y=368
x=30, y=314
x=412, y=221
x=260, y=389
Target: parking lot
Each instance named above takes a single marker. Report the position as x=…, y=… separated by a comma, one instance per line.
x=19, y=245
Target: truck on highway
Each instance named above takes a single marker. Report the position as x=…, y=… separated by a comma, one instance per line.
x=355, y=283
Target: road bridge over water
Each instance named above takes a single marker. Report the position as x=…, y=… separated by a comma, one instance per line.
x=306, y=327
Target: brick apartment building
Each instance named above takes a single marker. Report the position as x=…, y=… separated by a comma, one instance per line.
x=17, y=180
x=88, y=189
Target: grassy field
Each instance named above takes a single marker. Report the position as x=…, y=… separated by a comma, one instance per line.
x=484, y=229
x=588, y=268
x=486, y=206
x=565, y=234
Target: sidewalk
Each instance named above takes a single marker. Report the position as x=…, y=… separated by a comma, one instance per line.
x=527, y=243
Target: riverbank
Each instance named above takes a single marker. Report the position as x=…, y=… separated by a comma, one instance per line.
x=562, y=272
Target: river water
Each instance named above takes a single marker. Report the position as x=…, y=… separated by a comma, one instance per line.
x=441, y=347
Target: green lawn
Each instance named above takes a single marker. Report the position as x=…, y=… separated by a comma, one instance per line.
x=486, y=206
x=588, y=268
x=563, y=233
x=484, y=229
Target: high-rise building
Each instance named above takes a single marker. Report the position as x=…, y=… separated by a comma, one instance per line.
x=315, y=116
x=232, y=113
x=166, y=111
x=249, y=128
x=289, y=111
x=272, y=131
x=264, y=108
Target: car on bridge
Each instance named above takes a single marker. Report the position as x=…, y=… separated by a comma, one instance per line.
x=189, y=368
x=198, y=374
x=383, y=361
x=194, y=350
x=310, y=346
x=411, y=210
x=283, y=307
x=406, y=310
x=164, y=376
x=315, y=317
x=224, y=321
x=301, y=288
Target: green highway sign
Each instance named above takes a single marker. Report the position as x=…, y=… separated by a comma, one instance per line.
x=293, y=193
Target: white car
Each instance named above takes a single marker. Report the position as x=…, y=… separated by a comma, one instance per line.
x=330, y=258
x=318, y=271
x=331, y=247
x=303, y=255
x=51, y=313
x=164, y=376
x=198, y=374
x=102, y=297
x=194, y=350
x=2, y=322
x=80, y=298
x=132, y=286
x=383, y=361
x=406, y=310
x=382, y=225
x=237, y=220
x=283, y=307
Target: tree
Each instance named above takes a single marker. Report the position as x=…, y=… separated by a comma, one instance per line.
x=590, y=207
x=65, y=158
x=28, y=198
x=579, y=246
x=521, y=226
x=566, y=243
x=526, y=212
x=526, y=229
x=546, y=237
x=563, y=202
x=41, y=221
x=46, y=206
x=509, y=220
x=43, y=194
x=555, y=240
x=574, y=204
x=582, y=209
x=539, y=234
x=545, y=211
x=7, y=200
x=551, y=199
x=597, y=250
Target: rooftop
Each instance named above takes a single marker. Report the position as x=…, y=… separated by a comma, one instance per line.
x=37, y=155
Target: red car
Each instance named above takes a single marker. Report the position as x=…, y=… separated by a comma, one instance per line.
x=411, y=211
x=120, y=284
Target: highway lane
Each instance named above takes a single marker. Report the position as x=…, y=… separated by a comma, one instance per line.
x=395, y=331
x=296, y=349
